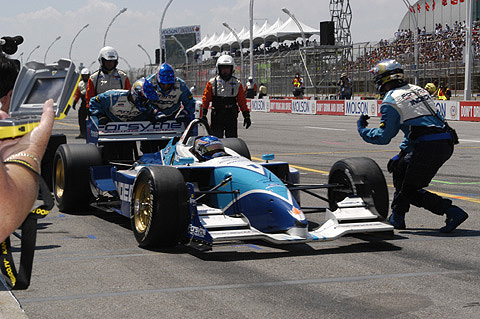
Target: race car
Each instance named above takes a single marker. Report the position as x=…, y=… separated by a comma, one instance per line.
x=179, y=195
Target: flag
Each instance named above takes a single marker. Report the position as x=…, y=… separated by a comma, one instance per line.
x=433, y=5
x=412, y=10
x=427, y=7
x=454, y=1
x=444, y=2
x=462, y=0
x=418, y=7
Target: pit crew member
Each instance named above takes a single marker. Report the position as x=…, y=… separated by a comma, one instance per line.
x=428, y=143
x=108, y=77
x=167, y=93
x=80, y=95
x=227, y=95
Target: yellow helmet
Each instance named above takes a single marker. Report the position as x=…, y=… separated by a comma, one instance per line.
x=430, y=87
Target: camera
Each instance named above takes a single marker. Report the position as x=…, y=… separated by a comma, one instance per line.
x=9, y=45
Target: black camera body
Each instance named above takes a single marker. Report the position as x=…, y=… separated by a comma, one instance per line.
x=9, y=45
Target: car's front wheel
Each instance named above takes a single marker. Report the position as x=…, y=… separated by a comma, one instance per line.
x=159, y=210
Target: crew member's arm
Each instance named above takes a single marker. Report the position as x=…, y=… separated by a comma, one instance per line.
x=388, y=129
x=242, y=103
x=91, y=91
x=186, y=97
x=207, y=98
x=128, y=85
x=97, y=106
x=77, y=97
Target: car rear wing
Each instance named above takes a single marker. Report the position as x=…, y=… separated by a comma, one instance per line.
x=133, y=131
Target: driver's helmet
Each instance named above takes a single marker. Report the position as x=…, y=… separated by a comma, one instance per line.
x=208, y=147
x=386, y=71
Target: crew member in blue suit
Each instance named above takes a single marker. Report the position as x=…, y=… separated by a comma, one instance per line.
x=167, y=93
x=120, y=105
x=428, y=143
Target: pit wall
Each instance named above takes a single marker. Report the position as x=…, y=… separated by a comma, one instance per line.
x=451, y=110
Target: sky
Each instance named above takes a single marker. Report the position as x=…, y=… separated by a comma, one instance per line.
x=41, y=22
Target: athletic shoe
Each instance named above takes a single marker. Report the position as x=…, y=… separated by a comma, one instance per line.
x=397, y=220
x=455, y=216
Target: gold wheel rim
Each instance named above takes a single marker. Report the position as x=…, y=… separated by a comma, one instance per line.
x=143, y=207
x=59, y=178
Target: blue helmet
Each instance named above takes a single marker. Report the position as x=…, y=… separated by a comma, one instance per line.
x=166, y=74
x=208, y=147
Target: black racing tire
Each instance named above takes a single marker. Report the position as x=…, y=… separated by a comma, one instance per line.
x=54, y=142
x=159, y=210
x=71, y=175
x=238, y=145
x=360, y=176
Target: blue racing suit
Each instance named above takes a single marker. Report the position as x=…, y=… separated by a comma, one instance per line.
x=167, y=104
x=425, y=148
x=114, y=106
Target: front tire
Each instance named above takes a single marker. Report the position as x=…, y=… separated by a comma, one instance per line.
x=159, y=210
x=359, y=176
x=71, y=175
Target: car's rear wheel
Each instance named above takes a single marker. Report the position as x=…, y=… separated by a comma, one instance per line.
x=159, y=207
x=359, y=176
x=71, y=175
x=238, y=145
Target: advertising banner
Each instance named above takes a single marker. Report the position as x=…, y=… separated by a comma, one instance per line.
x=448, y=109
x=470, y=111
x=303, y=106
x=358, y=107
x=281, y=106
x=331, y=107
x=260, y=105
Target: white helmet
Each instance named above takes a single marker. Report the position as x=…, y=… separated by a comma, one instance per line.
x=225, y=60
x=250, y=78
x=85, y=71
x=108, y=54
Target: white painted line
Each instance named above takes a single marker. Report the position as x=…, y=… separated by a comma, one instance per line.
x=325, y=128
x=473, y=141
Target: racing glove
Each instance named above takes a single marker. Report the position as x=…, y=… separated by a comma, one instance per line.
x=246, y=119
x=204, y=114
x=362, y=121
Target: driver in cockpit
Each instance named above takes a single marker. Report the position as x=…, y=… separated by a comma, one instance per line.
x=208, y=147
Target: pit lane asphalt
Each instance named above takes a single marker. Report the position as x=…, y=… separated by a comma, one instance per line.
x=89, y=266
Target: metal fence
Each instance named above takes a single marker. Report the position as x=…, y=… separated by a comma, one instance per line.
x=326, y=63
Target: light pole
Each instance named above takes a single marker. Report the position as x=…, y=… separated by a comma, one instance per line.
x=160, y=31
x=251, y=38
x=45, y=56
x=186, y=56
x=468, y=51
x=148, y=55
x=28, y=57
x=21, y=56
x=242, y=74
x=304, y=42
x=415, y=38
x=124, y=60
x=71, y=44
x=111, y=22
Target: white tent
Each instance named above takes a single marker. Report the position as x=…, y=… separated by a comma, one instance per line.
x=279, y=31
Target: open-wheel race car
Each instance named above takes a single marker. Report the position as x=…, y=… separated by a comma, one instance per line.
x=180, y=195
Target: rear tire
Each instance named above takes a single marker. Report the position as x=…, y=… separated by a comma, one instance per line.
x=47, y=161
x=71, y=175
x=238, y=145
x=359, y=176
x=159, y=210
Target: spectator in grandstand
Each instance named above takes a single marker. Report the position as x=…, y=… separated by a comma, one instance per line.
x=250, y=88
x=80, y=95
x=108, y=77
x=298, y=86
x=345, y=85
x=226, y=93
x=262, y=91
x=428, y=143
